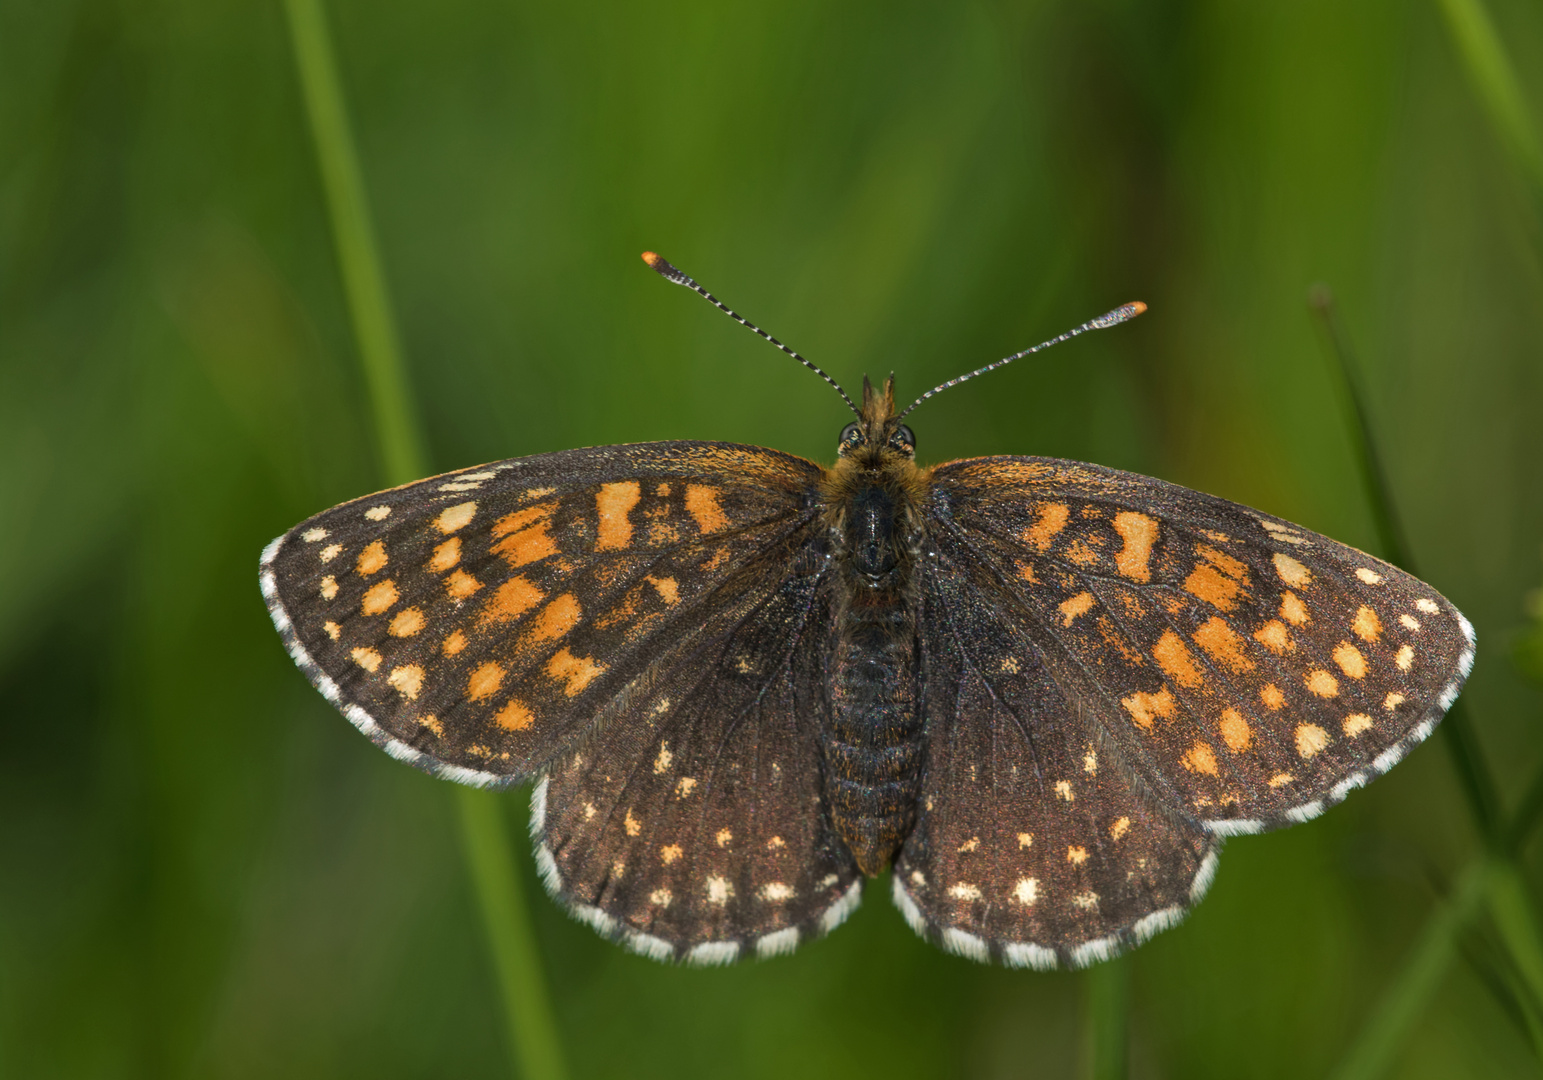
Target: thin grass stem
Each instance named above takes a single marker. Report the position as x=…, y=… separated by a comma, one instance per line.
x=1106, y=989
x=530, y=1028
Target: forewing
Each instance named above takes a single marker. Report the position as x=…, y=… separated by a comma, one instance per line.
x=478, y=624
x=694, y=827
x=1033, y=846
x=1247, y=671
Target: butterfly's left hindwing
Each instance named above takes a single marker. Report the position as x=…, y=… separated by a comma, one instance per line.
x=480, y=623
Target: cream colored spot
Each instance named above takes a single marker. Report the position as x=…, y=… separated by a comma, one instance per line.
x=407, y=680
x=1025, y=840
x=332, y=629
x=378, y=513
x=1271, y=696
x=1292, y=572
x=1076, y=855
x=1367, y=626
x=1175, y=659
x=1225, y=647
x=660, y=897
x=1350, y=660
x=662, y=762
x=1052, y=519
x=311, y=536
x=670, y=853
x=776, y=843
x=1077, y=605
x=1026, y=891
x=660, y=707
x=1010, y=665
x=1371, y=577
x=972, y=844
x=1274, y=636
x=777, y=891
x=454, y=643
x=590, y=811
x=1321, y=683
x=514, y=716
x=1356, y=723
x=461, y=585
x=702, y=505
x=330, y=552
x=613, y=502
x=718, y=890
x=576, y=671
x=1063, y=788
x=1280, y=779
x=329, y=587
x=1139, y=533
x=1430, y=607
x=1199, y=758
x=685, y=786
x=1392, y=701
x=964, y=891
x=1293, y=610
x=406, y=622
x=509, y=601
x=367, y=658
x=372, y=559
x=1405, y=658
x=1087, y=901
x=445, y=556
x=378, y=598
x=1120, y=827
x=1310, y=739
x=454, y=517
x=1090, y=762
x=724, y=837
x=484, y=681
x=1144, y=708
x=633, y=826
x=1235, y=731
x=1409, y=622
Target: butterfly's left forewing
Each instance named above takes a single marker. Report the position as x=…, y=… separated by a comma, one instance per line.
x=480, y=623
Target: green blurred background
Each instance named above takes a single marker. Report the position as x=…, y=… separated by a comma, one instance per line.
x=204, y=871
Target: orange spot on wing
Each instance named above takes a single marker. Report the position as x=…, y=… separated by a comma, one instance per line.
x=613, y=502
x=1292, y=572
x=702, y=505
x=378, y=598
x=406, y=622
x=1079, y=553
x=1321, y=683
x=1293, y=610
x=1139, y=533
x=1356, y=723
x=1235, y=731
x=445, y=556
x=1310, y=739
x=555, y=620
x=577, y=671
x=1199, y=758
x=460, y=585
x=1052, y=519
x=367, y=658
x=372, y=559
x=407, y=680
x=1218, y=578
x=1271, y=696
x=484, y=681
x=1217, y=639
x=454, y=643
x=509, y=601
x=667, y=588
x=1144, y=708
x=525, y=538
x=1077, y=605
x=1367, y=626
x=1273, y=636
x=514, y=716
x=1176, y=660
x=1350, y=660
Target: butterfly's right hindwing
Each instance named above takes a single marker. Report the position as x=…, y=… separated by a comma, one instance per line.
x=480, y=623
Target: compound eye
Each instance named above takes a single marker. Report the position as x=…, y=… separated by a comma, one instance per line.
x=904, y=439
x=851, y=436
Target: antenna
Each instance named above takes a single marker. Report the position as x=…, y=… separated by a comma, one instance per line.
x=671, y=273
x=1123, y=313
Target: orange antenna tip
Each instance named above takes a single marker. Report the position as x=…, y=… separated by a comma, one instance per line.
x=1138, y=307
x=650, y=258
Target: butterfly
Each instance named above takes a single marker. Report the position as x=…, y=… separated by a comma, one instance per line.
x=1040, y=693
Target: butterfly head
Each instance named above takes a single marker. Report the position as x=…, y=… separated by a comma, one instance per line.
x=877, y=438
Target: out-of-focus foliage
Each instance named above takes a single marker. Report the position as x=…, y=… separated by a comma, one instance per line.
x=207, y=872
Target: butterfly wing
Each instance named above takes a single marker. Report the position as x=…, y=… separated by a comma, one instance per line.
x=1227, y=671
x=480, y=623
x=694, y=827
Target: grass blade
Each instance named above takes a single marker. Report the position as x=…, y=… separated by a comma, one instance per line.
x=1107, y=990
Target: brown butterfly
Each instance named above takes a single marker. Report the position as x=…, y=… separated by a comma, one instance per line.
x=1039, y=692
